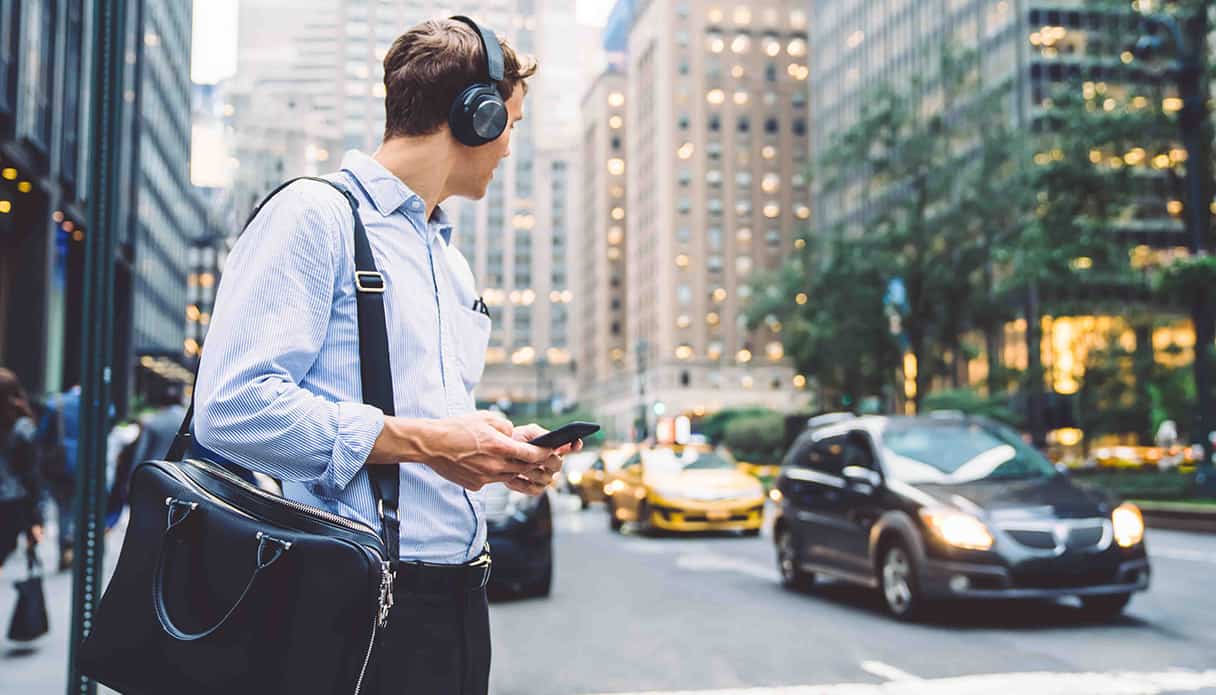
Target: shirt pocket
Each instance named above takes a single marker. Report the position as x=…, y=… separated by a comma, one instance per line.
x=473, y=337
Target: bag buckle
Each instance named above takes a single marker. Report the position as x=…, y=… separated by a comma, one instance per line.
x=387, y=579
x=373, y=276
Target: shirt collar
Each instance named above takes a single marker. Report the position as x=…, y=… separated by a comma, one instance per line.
x=389, y=193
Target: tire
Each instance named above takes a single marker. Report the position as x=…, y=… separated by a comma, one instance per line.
x=643, y=524
x=614, y=523
x=541, y=587
x=583, y=503
x=1104, y=606
x=793, y=577
x=897, y=582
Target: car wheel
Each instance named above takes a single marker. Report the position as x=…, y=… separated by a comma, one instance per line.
x=613, y=522
x=583, y=503
x=792, y=576
x=1104, y=606
x=897, y=580
x=643, y=525
x=541, y=587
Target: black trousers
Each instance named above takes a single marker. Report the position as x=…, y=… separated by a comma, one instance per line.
x=433, y=645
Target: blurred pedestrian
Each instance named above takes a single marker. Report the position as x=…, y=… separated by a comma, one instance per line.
x=58, y=441
x=154, y=432
x=20, y=482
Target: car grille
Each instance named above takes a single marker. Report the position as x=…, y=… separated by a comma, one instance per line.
x=1043, y=540
x=1077, y=535
x=1063, y=578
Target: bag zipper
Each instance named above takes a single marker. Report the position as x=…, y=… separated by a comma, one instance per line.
x=276, y=499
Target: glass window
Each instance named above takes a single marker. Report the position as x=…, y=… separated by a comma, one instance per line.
x=826, y=456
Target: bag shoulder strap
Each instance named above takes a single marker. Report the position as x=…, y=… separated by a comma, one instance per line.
x=375, y=369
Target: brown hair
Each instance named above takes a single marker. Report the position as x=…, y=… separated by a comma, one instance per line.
x=428, y=66
x=14, y=404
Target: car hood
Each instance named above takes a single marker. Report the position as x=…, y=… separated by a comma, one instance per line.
x=1056, y=497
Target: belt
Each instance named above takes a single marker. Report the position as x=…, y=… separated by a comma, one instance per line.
x=428, y=578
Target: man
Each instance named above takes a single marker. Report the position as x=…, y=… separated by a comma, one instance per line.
x=279, y=386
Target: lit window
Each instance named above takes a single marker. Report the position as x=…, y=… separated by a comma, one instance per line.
x=743, y=15
x=616, y=122
x=770, y=183
x=772, y=47
x=685, y=151
x=855, y=39
x=740, y=44
x=684, y=352
x=799, y=381
x=743, y=265
x=716, y=43
x=615, y=235
x=713, y=177
x=736, y=72
x=712, y=318
x=772, y=210
x=744, y=355
x=682, y=261
x=769, y=152
x=741, y=98
x=797, y=19
x=616, y=99
x=618, y=214
x=774, y=350
x=714, y=14
x=719, y=295
x=743, y=235
x=802, y=211
x=715, y=96
x=616, y=166
x=797, y=47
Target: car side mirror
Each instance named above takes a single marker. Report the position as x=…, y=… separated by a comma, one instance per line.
x=863, y=479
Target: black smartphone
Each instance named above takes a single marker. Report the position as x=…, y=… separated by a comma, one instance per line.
x=565, y=434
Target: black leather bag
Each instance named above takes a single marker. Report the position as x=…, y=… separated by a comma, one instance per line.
x=29, y=621
x=222, y=587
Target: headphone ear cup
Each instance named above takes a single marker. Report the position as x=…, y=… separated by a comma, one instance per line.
x=478, y=115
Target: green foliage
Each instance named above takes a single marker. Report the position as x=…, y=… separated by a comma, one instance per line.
x=1186, y=278
x=970, y=401
x=756, y=438
x=714, y=426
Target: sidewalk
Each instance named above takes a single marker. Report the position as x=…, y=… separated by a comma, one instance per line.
x=40, y=667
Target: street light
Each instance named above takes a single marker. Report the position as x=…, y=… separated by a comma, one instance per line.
x=1188, y=67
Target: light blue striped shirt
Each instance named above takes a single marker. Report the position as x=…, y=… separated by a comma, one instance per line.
x=279, y=388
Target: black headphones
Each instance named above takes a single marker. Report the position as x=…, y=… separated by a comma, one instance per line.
x=478, y=115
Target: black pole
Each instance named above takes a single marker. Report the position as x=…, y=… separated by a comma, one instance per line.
x=108, y=32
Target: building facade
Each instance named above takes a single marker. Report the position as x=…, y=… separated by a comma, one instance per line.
x=1029, y=48
x=716, y=156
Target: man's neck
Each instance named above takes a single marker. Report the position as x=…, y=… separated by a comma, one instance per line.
x=422, y=164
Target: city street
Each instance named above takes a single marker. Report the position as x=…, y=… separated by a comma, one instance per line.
x=703, y=614
x=706, y=614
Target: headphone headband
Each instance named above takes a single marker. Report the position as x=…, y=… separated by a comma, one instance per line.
x=489, y=47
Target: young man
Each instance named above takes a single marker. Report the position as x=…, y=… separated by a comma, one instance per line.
x=279, y=386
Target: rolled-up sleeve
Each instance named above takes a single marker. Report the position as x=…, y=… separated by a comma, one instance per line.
x=271, y=318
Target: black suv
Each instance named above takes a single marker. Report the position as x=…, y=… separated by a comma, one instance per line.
x=940, y=507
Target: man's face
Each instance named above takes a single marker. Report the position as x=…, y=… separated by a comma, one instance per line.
x=472, y=177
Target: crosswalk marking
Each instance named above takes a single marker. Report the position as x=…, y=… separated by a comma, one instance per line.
x=1035, y=683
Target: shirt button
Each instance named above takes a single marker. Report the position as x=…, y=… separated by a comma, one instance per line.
x=415, y=205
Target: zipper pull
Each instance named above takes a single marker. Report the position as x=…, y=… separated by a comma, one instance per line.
x=386, y=593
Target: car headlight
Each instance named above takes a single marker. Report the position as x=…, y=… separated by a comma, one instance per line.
x=614, y=487
x=957, y=528
x=1129, y=525
x=575, y=477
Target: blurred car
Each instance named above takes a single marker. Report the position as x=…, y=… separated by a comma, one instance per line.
x=520, y=532
x=590, y=484
x=1144, y=457
x=693, y=489
x=928, y=508
x=574, y=468
x=766, y=473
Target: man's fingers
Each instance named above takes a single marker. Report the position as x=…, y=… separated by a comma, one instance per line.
x=498, y=421
x=524, y=486
x=520, y=451
x=527, y=433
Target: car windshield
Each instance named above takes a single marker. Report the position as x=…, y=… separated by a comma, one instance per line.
x=708, y=461
x=920, y=452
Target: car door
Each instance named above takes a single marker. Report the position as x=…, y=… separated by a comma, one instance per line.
x=859, y=504
x=813, y=487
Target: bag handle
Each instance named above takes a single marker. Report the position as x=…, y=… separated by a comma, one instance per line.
x=374, y=367
x=179, y=512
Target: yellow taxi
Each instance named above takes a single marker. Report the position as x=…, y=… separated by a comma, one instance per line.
x=1144, y=457
x=689, y=488
x=588, y=484
x=766, y=473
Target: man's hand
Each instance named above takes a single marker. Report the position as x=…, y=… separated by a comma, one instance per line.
x=534, y=481
x=33, y=535
x=471, y=450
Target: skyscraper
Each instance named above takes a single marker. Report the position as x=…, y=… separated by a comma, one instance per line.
x=1030, y=48
x=716, y=107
